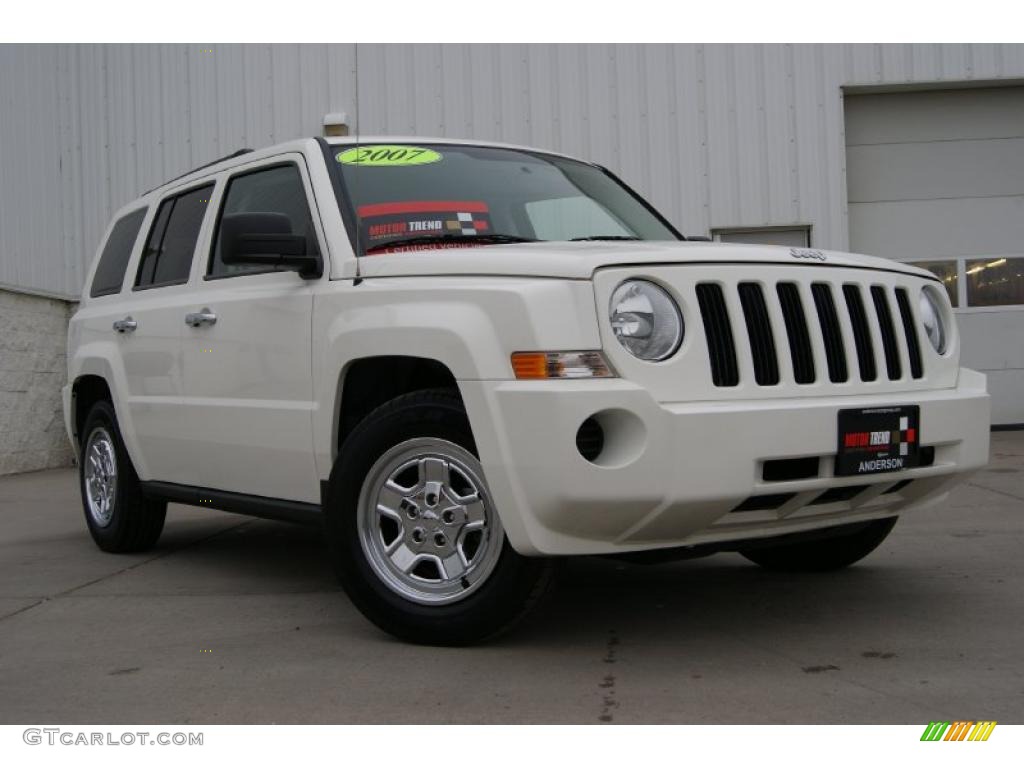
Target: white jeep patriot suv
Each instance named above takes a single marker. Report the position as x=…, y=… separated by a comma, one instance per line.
x=465, y=359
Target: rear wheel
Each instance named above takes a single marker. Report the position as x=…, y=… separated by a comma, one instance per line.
x=414, y=533
x=825, y=554
x=119, y=517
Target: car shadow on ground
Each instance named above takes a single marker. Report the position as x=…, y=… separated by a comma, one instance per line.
x=701, y=600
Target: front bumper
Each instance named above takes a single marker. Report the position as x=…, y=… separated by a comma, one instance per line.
x=673, y=473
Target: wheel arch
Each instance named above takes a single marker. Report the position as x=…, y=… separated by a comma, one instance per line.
x=86, y=391
x=366, y=383
x=94, y=378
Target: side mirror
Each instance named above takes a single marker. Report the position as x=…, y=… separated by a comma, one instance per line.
x=266, y=240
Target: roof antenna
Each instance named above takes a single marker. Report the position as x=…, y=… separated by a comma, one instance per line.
x=356, y=170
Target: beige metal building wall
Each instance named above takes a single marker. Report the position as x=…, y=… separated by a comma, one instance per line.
x=718, y=136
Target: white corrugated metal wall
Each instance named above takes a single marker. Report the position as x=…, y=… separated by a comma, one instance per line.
x=715, y=135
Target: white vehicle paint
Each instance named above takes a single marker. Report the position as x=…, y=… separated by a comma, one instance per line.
x=247, y=411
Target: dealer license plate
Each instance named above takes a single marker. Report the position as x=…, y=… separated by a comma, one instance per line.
x=873, y=440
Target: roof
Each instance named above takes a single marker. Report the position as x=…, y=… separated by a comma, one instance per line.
x=243, y=156
x=236, y=158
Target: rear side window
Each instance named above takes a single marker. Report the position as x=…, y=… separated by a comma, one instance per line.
x=116, y=253
x=167, y=257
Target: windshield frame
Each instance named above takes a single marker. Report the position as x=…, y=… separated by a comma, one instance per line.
x=348, y=213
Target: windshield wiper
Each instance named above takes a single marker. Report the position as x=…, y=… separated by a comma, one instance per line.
x=604, y=237
x=495, y=239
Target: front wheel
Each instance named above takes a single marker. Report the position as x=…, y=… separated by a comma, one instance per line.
x=825, y=554
x=414, y=533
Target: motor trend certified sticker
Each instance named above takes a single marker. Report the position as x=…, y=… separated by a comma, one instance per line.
x=382, y=222
x=388, y=155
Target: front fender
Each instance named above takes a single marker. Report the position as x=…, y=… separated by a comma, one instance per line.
x=471, y=325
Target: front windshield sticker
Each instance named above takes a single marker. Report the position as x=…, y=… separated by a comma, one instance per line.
x=388, y=155
x=382, y=223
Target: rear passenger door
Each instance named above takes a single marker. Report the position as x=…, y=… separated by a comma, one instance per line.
x=248, y=382
x=150, y=339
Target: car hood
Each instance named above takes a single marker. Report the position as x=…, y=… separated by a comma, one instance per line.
x=580, y=260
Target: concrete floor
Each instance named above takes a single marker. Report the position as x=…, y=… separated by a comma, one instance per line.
x=240, y=621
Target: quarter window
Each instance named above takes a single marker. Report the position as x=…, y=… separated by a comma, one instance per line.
x=116, y=253
x=272, y=190
x=167, y=257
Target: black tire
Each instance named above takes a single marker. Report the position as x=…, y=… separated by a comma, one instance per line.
x=825, y=554
x=135, y=522
x=513, y=587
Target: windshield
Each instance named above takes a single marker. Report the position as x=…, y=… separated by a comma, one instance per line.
x=432, y=196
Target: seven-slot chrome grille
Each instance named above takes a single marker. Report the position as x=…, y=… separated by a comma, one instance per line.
x=867, y=331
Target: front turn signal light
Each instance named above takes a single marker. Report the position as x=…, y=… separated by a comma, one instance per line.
x=561, y=365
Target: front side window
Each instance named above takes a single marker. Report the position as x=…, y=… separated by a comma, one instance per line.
x=116, y=254
x=167, y=257
x=407, y=197
x=277, y=190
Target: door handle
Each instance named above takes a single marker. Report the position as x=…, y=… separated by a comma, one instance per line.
x=200, y=318
x=123, y=326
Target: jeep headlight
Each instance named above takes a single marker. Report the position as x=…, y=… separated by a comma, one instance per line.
x=930, y=308
x=646, y=320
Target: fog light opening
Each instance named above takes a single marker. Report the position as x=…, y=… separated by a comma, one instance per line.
x=611, y=438
x=590, y=439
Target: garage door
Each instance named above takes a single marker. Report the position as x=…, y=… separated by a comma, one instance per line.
x=937, y=178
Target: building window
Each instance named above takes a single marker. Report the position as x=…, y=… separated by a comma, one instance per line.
x=794, y=237
x=995, y=282
x=563, y=218
x=947, y=271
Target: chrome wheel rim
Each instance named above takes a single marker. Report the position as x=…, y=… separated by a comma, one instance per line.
x=99, y=463
x=426, y=522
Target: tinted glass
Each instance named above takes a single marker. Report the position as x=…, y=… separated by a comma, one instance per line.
x=456, y=196
x=116, y=253
x=995, y=282
x=167, y=257
x=275, y=190
x=946, y=271
x=151, y=251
